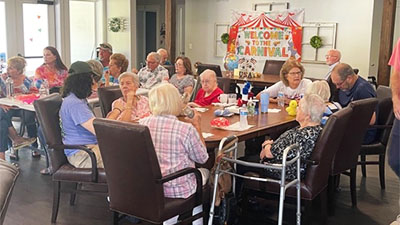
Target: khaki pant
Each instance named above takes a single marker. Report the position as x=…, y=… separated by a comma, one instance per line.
x=81, y=158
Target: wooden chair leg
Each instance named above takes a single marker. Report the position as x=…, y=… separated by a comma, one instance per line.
x=56, y=200
x=331, y=195
x=382, y=170
x=353, y=191
x=363, y=167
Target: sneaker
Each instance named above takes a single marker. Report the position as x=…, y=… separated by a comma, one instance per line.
x=23, y=143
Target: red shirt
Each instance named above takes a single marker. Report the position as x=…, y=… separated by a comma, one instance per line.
x=205, y=101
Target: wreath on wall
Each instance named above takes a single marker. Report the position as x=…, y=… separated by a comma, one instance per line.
x=116, y=24
x=225, y=38
x=316, y=42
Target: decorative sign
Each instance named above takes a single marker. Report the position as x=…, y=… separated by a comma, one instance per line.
x=257, y=36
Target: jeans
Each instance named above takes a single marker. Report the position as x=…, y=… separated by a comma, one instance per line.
x=394, y=148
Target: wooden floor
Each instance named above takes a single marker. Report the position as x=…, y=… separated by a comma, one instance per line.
x=32, y=200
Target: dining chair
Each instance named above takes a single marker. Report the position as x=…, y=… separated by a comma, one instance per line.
x=314, y=186
x=171, y=69
x=107, y=95
x=47, y=111
x=135, y=182
x=385, y=118
x=273, y=67
x=8, y=176
x=346, y=158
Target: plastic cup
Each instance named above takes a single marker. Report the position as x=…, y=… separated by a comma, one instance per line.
x=264, y=100
x=223, y=98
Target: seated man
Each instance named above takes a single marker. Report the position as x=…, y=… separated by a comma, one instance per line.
x=164, y=56
x=209, y=90
x=153, y=73
x=353, y=87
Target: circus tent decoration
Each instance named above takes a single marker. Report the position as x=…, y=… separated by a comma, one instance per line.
x=275, y=35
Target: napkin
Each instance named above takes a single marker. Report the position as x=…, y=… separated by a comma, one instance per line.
x=236, y=127
x=199, y=109
x=274, y=110
x=206, y=135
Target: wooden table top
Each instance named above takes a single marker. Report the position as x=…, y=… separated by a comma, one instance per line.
x=265, y=123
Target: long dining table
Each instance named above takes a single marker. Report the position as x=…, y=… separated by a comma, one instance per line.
x=264, y=124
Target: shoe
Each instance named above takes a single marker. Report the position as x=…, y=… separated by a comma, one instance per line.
x=25, y=142
x=45, y=171
x=35, y=154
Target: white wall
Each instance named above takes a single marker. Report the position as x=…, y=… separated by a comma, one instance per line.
x=354, y=29
x=121, y=41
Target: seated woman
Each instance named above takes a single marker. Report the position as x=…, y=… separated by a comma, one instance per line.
x=309, y=114
x=178, y=144
x=209, y=91
x=53, y=70
x=76, y=116
x=130, y=107
x=292, y=83
x=321, y=88
x=118, y=64
x=183, y=79
x=23, y=85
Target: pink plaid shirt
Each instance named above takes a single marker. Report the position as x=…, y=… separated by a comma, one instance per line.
x=177, y=146
x=140, y=111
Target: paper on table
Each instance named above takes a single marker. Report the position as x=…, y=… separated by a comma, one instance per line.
x=223, y=104
x=274, y=110
x=236, y=127
x=199, y=109
x=206, y=135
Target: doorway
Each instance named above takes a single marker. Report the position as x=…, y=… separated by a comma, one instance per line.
x=148, y=22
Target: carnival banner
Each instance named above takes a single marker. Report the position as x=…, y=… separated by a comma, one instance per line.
x=257, y=36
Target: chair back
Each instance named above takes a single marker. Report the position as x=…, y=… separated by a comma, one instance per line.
x=8, y=177
x=107, y=95
x=273, y=67
x=347, y=155
x=385, y=114
x=171, y=70
x=325, y=148
x=47, y=112
x=131, y=167
x=196, y=88
x=224, y=83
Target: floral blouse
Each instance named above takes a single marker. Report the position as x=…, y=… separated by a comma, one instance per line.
x=141, y=110
x=55, y=79
x=305, y=138
x=181, y=84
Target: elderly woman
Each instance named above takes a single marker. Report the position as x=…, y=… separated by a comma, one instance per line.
x=53, y=70
x=23, y=85
x=118, y=64
x=130, y=107
x=76, y=116
x=178, y=144
x=209, y=90
x=183, y=79
x=292, y=83
x=321, y=88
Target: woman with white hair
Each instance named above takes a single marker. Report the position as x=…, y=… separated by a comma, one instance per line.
x=309, y=114
x=130, y=107
x=321, y=88
x=178, y=144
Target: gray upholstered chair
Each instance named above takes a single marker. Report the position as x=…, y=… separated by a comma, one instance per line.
x=8, y=176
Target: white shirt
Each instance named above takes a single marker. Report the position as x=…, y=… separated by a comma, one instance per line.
x=330, y=70
x=287, y=91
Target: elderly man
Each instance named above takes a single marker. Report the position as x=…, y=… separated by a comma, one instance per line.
x=353, y=87
x=164, y=56
x=332, y=58
x=209, y=90
x=153, y=73
x=105, y=51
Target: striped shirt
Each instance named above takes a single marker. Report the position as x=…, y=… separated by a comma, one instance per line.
x=178, y=146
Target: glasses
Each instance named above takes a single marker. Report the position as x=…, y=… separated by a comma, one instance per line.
x=295, y=73
x=330, y=56
x=340, y=84
x=151, y=62
x=178, y=64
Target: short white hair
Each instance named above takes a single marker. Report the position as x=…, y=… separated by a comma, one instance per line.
x=134, y=76
x=164, y=99
x=155, y=56
x=321, y=88
x=209, y=72
x=313, y=106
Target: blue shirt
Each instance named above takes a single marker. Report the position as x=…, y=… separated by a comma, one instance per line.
x=24, y=88
x=73, y=113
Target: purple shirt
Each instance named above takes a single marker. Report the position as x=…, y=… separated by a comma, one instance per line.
x=73, y=113
x=178, y=146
